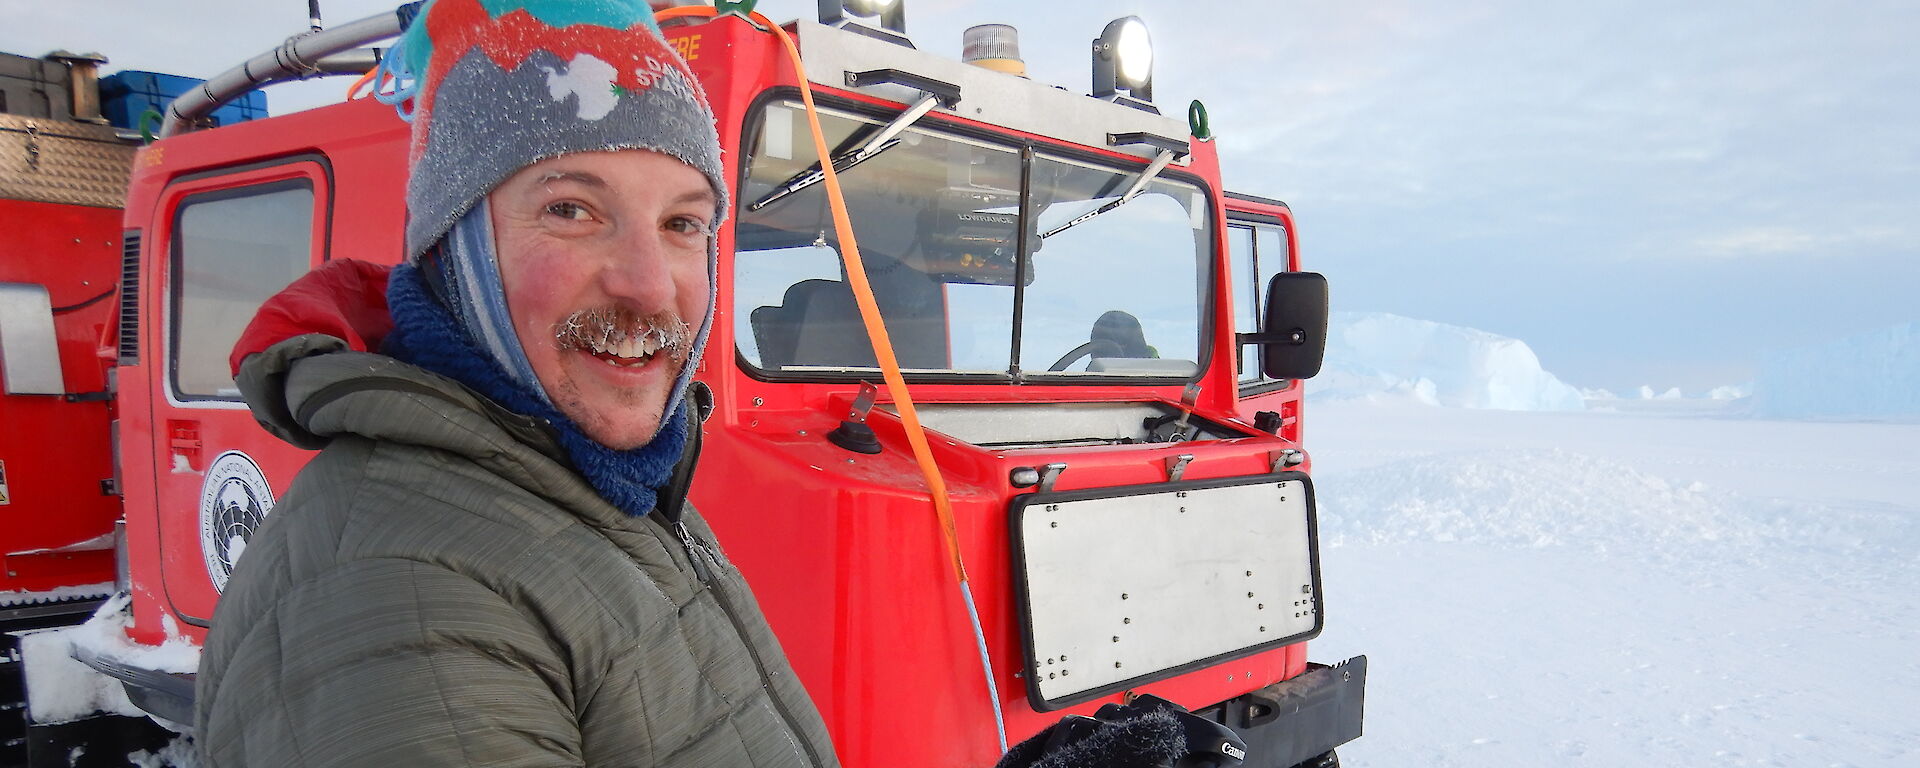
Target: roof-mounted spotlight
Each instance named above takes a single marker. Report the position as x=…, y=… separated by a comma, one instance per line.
x=891, y=13
x=1123, y=61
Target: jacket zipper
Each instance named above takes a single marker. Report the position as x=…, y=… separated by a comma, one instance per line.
x=696, y=554
x=699, y=568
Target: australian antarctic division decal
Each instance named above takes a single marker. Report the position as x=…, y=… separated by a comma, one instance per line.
x=234, y=499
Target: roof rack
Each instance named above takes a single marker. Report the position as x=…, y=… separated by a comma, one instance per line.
x=333, y=51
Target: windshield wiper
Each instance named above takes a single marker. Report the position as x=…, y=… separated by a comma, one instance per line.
x=1159, y=164
x=886, y=139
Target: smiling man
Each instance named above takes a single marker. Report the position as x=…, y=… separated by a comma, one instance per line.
x=605, y=256
x=489, y=563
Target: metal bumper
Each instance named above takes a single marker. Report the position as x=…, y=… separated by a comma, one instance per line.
x=164, y=695
x=1290, y=722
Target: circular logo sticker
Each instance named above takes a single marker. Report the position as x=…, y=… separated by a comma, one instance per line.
x=234, y=499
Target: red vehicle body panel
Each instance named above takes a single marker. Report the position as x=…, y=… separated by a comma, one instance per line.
x=842, y=550
x=58, y=453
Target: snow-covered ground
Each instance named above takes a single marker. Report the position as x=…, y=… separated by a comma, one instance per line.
x=1622, y=587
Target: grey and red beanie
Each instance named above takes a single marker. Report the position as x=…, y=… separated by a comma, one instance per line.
x=501, y=84
x=493, y=86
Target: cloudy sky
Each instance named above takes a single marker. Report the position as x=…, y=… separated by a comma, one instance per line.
x=1646, y=192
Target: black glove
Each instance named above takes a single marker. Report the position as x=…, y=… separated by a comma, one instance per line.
x=1143, y=740
x=1151, y=732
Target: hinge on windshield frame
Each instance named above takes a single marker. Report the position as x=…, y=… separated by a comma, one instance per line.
x=1179, y=148
x=947, y=93
x=1177, y=466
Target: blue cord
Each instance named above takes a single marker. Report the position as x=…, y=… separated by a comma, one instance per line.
x=986, y=665
x=406, y=84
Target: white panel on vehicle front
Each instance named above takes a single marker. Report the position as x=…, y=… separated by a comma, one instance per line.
x=991, y=97
x=1123, y=587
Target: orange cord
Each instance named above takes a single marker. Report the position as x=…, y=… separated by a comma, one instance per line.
x=862, y=294
x=355, y=88
x=876, y=329
x=684, y=12
x=882, y=348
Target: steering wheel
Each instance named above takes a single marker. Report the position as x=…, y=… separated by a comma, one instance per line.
x=1085, y=350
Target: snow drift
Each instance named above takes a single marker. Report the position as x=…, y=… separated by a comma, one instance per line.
x=1871, y=375
x=1549, y=498
x=1379, y=356
x=1520, y=498
x=61, y=689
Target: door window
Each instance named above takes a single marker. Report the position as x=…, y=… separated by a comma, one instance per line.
x=232, y=249
x=1246, y=293
x=1258, y=251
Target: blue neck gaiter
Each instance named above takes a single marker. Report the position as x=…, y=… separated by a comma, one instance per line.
x=426, y=334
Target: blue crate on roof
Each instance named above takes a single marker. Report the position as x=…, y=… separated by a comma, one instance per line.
x=125, y=95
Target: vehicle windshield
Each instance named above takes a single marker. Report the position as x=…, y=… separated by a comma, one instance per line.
x=939, y=219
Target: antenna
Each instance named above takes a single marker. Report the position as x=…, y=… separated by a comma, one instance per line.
x=313, y=14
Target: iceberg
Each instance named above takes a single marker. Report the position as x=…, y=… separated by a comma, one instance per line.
x=1873, y=375
x=1380, y=356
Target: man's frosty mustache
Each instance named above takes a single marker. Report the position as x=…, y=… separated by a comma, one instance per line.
x=623, y=333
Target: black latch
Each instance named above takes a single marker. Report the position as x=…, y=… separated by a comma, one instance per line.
x=853, y=433
x=1267, y=421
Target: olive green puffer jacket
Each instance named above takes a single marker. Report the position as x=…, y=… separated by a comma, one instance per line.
x=438, y=588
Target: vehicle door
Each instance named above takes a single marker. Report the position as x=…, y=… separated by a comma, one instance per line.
x=1261, y=244
x=223, y=241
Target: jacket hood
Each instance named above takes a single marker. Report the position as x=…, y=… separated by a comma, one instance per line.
x=310, y=346
x=344, y=298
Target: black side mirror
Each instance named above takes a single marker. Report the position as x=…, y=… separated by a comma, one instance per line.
x=1293, y=335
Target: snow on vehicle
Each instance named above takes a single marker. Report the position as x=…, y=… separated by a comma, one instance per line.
x=1073, y=303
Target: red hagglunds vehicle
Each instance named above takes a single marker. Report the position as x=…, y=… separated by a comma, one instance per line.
x=1079, y=480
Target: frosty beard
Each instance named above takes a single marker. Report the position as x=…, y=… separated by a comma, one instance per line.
x=625, y=335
